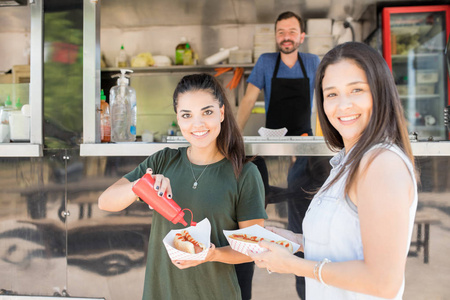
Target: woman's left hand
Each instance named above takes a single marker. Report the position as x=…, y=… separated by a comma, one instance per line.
x=184, y=264
x=276, y=259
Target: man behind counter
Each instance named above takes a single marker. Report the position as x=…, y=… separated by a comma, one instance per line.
x=287, y=78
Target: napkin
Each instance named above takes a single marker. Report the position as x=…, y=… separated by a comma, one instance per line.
x=266, y=132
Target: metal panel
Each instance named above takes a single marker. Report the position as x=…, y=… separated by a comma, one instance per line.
x=91, y=71
x=48, y=214
x=32, y=236
x=106, y=252
x=36, y=72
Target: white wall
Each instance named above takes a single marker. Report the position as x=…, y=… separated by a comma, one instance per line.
x=14, y=49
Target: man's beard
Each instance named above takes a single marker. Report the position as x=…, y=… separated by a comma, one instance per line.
x=290, y=50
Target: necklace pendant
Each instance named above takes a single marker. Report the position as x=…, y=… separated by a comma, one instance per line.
x=195, y=185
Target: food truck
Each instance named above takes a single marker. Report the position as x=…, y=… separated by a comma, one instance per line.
x=57, y=56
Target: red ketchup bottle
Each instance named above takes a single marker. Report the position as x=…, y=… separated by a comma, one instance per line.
x=168, y=208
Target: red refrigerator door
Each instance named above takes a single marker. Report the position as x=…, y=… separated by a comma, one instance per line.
x=414, y=40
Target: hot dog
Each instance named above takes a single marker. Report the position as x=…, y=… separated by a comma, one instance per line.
x=254, y=239
x=185, y=242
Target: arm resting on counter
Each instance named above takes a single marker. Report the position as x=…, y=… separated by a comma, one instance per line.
x=117, y=197
x=246, y=105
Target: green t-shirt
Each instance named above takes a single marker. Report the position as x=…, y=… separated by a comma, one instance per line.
x=219, y=197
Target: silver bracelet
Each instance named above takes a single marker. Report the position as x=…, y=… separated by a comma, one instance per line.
x=322, y=263
x=316, y=271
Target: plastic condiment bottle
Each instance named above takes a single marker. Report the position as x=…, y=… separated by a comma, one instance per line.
x=5, y=111
x=4, y=121
x=168, y=208
x=105, y=120
x=187, y=56
x=123, y=109
x=18, y=104
x=172, y=129
x=179, y=51
x=122, y=61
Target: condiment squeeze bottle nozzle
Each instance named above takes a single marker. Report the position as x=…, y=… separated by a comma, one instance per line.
x=168, y=208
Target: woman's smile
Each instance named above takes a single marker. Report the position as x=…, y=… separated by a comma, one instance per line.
x=200, y=133
x=348, y=119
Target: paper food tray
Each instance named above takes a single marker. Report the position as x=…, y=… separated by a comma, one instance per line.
x=258, y=231
x=201, y=232
x=266, y=132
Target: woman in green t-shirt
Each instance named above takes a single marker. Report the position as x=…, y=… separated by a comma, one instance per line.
x=214, y=179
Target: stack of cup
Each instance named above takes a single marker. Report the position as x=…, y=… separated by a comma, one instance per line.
x=19, y=122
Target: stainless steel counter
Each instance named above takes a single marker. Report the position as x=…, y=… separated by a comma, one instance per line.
x=285, y=146
x=20, y=150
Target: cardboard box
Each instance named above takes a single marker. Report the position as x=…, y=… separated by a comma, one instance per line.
x=240, y=57
x=6, y=78
x=425, y=89
x=319, y=26
x=320, y=44
x=427, y=77
x=21, y=74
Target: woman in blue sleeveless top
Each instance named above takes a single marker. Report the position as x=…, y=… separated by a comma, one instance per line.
x=358, y=227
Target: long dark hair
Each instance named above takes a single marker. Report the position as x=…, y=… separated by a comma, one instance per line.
x=387, y=123
x=229, y=142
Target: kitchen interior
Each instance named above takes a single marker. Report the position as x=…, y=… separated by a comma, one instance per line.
x=57, y=56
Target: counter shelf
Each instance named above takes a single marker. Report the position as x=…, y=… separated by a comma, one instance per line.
x=293, y=146
x=20, y=150
x=137, y=71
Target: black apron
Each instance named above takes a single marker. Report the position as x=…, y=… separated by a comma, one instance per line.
x=290, y=103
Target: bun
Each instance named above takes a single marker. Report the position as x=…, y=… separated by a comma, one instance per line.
x=185, y=242
x=286, y=244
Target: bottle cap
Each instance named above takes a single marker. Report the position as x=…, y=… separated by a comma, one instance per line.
x=102, y=96
x=121, y=47
x=123, y=77
x=8, y=101
x=18, y=104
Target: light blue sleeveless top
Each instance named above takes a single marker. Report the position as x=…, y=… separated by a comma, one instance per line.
x=331, y=229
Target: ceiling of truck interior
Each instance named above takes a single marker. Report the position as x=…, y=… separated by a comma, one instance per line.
x=144, y=13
